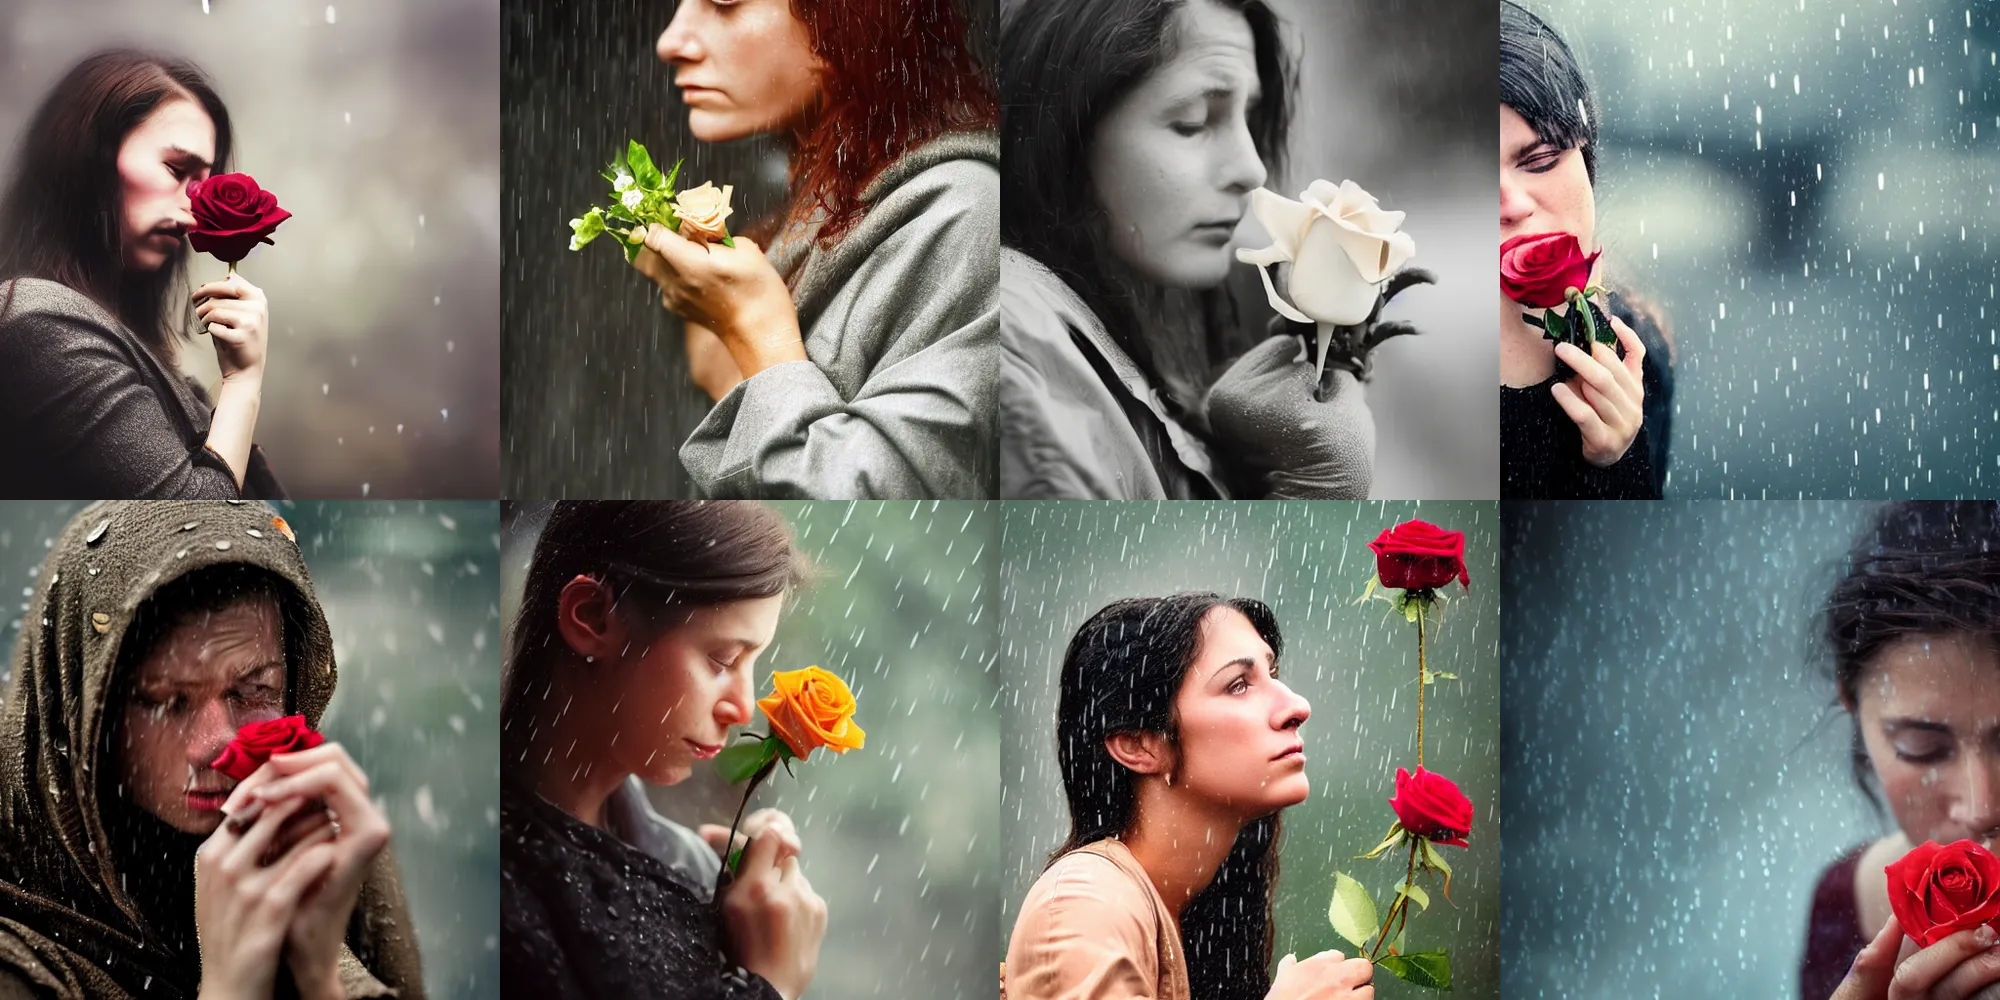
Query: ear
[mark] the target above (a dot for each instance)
(586, 619)
(1140, 753)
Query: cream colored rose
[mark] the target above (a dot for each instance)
(1341, 246)
(702, 212)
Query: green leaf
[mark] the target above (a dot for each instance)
(1397, 836)
(643, 170)
(1535, 321)
(735, 859)
(729, 241)
(1435, 858)
(1416, 894)
(1373, 582)
(1431, 969)
(671, 174)
(1433, 676)
(1352, 913)
(740, 762)
(1555, 327)
(585, 228)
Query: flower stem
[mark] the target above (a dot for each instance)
(1401, 906)
(729, 845)
(1421, 678)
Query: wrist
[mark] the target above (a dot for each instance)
(319, 984)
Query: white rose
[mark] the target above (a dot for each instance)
(1341, 246)
(631, 199)
(702, 212)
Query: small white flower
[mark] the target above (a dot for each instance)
(624, 181)
(575, 243)
(631, 199)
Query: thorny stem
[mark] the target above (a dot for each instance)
(729, 845)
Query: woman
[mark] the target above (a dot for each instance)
(163, 628)
(1179, 746)
(1912, 636)
(1136, 131)
(631, 660)
(1571, 426)
(855, 360)
(93, 237)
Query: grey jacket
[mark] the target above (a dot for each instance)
(900, 321)
(1078, 419)
(90, 412)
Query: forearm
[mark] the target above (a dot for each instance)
(234, 423)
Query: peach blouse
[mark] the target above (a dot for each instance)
(1094, 928)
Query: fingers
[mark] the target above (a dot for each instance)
(1868, 978)
(1976, 971)
(1924, 971)
(715, 834)
(761, 855)
(1589, 367)
(310, 819)
(1580, 411)
(249, 851)
(653, 266)
(231, 287)
(1635, 352)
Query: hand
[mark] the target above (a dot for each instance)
(243, 907)
(734, 292)
(762, 821)
(1263, 412)
(1964, 966)
(775, 921)
(709, 363)
(237, 318)
(325, 780)
(1328, 975)
(1607, 396)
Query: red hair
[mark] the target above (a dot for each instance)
(897, 74)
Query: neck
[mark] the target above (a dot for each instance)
(1180, 842)
(1526, 357)
(568, 759)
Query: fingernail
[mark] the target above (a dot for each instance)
(1985, 935)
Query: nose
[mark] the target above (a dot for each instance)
(1241, 169)
(678, 43)
(1516, 206)
(1293, 708)
(212, 729)
(1978, 807)
(734, 707)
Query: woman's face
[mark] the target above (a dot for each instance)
(171, 149)
(1929, 712)
(744, 66)
(1238, 724)
(1542, 189)
(209, 675)
(679, 696)
(1173, 163)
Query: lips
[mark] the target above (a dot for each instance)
(201, 801)
(704, 751)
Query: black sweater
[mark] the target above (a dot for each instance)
(1541, 450)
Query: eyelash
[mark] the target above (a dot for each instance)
(1933, 757)
(1547, 163)
(1189, 131)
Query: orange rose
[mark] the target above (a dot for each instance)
(810, 709)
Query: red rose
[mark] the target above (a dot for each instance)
(1418, 555)
(1431, 806)
(1938, 891)
(1539, 269)
(232, 215)
(255, 743)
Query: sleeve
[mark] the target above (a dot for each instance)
(78, 393)
(1082, 941)
(921, 424)
(532, 965)
(1037, 461)
(1629, 478)
(15, 985)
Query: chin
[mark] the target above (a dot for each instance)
(1195, 268)
(717, 126)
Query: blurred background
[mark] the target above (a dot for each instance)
(1357, 663)
(410, 592)
(1804, 189)
(900, 836)
(374, 121)
(1394, 97)
(1675, 763)
(598, 395)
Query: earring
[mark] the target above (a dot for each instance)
(1170, 779)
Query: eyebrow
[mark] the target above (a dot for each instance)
(1241, 661)
(183, 153)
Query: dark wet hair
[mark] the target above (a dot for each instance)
(1921, 568)
(1121, 674)
(61, 217)
(1541, 81)
(204, 591)
(658, 556)
(1063, 65)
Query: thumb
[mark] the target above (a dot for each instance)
(1285, 963)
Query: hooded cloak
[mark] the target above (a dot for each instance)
(96, 897)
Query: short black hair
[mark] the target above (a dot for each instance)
(1541, 80)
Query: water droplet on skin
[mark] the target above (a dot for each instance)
(222, 546)
(97, 533)
(253, 532)
(191, 525)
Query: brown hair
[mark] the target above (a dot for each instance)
(61, 217)
(898, 73)
(1920, 568)
(656, 555)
